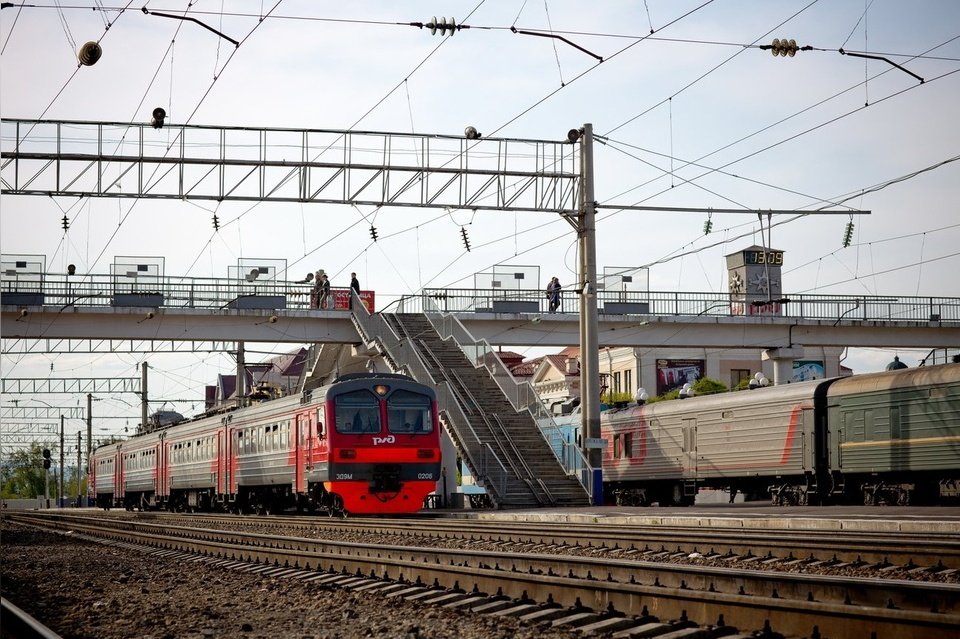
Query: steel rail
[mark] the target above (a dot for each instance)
(838, 606)
(911, 550)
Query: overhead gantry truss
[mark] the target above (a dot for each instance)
(42, 412)
(39, 385)
(191, 162)
(24, 346)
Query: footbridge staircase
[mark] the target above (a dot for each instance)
(499, 426)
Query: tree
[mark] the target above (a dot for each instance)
(23, 474)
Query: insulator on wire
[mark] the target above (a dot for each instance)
(848, 234)
(442, 26)
(89, 54)
(784, 47)
(466, 239)
(216, 222)
(65, 222)
(707, 226)
(373, 233)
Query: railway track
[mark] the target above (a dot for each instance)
(925, 555)
(597, 592)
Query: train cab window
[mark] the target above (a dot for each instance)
(357, 413)
(409, 413)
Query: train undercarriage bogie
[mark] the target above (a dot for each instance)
(141, 501)
(796, 491)
(890, 494)
(191, 500)
(789, 495)
(263, 500)
(647, 494)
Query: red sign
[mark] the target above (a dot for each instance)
(341, 299)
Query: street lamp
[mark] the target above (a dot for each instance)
(757, 381)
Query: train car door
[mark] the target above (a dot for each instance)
(689, 461)
(221, 455)
(159, 469)
(301, 442)
(119, 474)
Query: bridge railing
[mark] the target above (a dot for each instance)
(59, 289)
(886, 308)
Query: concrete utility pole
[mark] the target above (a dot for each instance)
(589, 349)
(89, 428)
(144, 409)
(62, 475)
(240, 386)
(79, 448)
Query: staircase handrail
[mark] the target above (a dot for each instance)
(448, 325)
(373, 328)
(527, 475)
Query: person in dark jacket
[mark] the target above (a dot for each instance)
(355, 288)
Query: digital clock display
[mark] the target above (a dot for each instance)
(774, 258)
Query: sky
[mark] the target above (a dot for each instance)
(688, 110)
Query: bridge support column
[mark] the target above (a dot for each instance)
(782, 358)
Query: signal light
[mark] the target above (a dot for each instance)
(848, 234)
(157, 120)
(373, 232)
(466, 240)
(216, 222)
(46, 458)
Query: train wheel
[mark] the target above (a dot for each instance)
(335, 509)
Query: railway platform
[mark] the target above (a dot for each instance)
(939, 520)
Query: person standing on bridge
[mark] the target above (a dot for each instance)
(324, 291)
(553, 294)
(354, 288)
(315, 291)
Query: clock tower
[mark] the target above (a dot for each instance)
(754, 281)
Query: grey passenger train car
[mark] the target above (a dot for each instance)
(891, 437)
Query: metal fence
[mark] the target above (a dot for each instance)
(222, 293)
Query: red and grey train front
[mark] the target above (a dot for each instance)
(383, 444)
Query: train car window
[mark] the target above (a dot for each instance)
(628, 445)
(409, 413)
(357, 412)
(616, 446)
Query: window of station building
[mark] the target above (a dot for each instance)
(628, 381)
(616, 382)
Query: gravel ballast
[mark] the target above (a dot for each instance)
(83, 590)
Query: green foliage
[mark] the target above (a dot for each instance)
(23, 474)
(612, 398)
(703, 386)
(708, 386)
